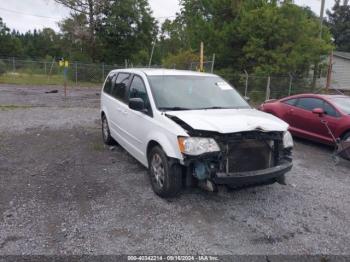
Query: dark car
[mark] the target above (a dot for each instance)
(304, 114)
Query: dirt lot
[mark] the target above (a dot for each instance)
(63, 192)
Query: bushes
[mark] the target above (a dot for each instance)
(2, 67)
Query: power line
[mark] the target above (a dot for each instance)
(21, 13)
(57, 18)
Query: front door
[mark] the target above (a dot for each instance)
(137, 123)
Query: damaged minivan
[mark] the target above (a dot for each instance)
(193, 129)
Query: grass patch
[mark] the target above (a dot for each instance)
(40, 80)
(13, 107)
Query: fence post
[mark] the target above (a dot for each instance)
(213, 64)
(76, 73)
(13, 65)
(45, 68)
(268, 90)
(103, 72)
(246, 83)
(290, 84)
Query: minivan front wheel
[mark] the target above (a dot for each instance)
(165, 176)
(106, 134)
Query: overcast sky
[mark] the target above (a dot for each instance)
(46, 13)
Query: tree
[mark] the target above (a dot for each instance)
(261, 36)
(92, 10)
(339, 23)
(181, 60)
(10, 45)
(76, 38)
(127, 27)
(281, 39)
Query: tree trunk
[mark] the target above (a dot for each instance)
(92, 28)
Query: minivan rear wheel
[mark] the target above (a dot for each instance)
(165, 175)
(106, 134)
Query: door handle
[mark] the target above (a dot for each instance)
(291, 111)
(125, 112)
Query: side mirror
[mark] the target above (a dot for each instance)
(318, 111)
(137, 104)
(246, 98)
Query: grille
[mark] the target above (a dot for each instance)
(249, 155)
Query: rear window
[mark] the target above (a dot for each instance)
(108, 85)
(290, 102)
(120, 85)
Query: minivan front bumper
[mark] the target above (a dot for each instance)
(252, 177)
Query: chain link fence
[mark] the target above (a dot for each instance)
(262, 88)
(257, 88)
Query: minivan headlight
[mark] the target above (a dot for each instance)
(195, 146)
(288, 140)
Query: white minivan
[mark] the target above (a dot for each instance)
(191, 128)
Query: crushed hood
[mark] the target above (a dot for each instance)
(230, 120)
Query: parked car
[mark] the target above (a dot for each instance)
(192, 128)
(304, 113)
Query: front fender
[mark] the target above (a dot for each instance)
(168, 143)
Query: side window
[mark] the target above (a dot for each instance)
(310, 103)
(290, 102)
(108, 85)
(119, 86)
(138, 90)
(329, 110)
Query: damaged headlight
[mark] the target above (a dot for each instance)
(195, 146)
(288, 140)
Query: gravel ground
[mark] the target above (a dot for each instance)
(63, 192)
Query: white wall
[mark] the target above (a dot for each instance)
(341, 73)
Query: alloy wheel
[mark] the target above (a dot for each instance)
(158, 171)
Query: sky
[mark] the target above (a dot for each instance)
(24, 15)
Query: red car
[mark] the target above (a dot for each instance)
(304, 114)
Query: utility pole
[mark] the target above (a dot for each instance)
(321, 17)
(150, 60)
(321, 33)
(329, 73)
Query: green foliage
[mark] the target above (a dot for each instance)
(181, 60)
(263, 37)
(2, 67)
(339, 23)
(127, 28)
(260, 36)
(281, 39)
(10, 45)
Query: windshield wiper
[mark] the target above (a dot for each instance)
(175, 108)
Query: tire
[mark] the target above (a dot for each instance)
(345, 155)
(106, 134)
(165, 176)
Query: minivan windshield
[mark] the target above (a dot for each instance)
(182, 92)
(343, 103)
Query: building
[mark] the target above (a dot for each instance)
(341, 71)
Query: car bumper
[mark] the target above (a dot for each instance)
(252, 177)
